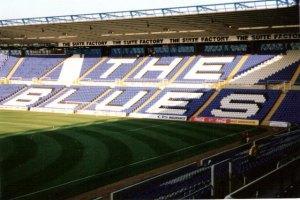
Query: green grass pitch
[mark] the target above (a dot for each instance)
(45, 153)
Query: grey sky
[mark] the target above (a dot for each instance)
(10, 9)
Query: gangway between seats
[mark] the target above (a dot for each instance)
(71, 70)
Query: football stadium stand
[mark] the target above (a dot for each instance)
(280, 183)
(229, 63)
(166, 87)
(35, 67)
(210, 180)
(7, 63)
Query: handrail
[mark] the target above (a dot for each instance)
(232, 195)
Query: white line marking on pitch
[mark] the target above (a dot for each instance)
(23, 124)
(156, 125)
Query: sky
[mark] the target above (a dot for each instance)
(13, 9)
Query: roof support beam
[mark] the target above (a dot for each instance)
(109, 16)
(241, 6)
(282, 3)
(140, 13)
(223, 7)
(205, 8)
(171, 11)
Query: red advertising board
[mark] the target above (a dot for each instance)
(225, 120)
(211, 120)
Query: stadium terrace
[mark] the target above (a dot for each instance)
(162, 87)
(196, 102)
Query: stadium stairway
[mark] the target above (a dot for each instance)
(219, 86)
(206, 104)
(285, 87)
(295, 76)
(67, 76)
(15, 67)
(266, 121)
(146, 102)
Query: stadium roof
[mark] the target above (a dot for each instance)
(254, 17)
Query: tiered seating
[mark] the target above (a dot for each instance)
(70, 99)
(283, 75)
(54, 90)
(54, 74)
(203, 193)
(157, 69)
(3, 58)
(240, 103)
(112, 69)
(289, 110)
(35, 67)
(208, 69)
(266, 143)
(31, 96)
(197, 181)
(167, 87)
(174, 101)
(225, 155)
(184, 185)
(144, 94)
(174, 185)
(88, 62)
(6, 65)
(268, 68)
(9, 90)
(84, 94)
(268, 155)
(122, 100)
(253, 61)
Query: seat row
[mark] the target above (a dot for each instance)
(255, 69)
(152, 102)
